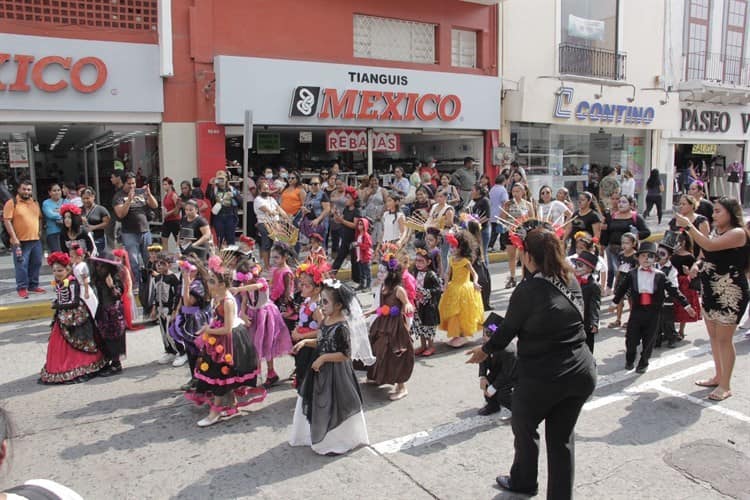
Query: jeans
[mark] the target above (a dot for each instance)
(497, 230)
(365, 274)
(336, 239)
(651, 200)
(101, 244)
(28, 265)
(612, 252)
(53, 242)
(225, 226)
(136, 244)
(486, 244)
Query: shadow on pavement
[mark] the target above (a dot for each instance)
(37, 332)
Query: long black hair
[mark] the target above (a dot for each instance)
(340, 293)
(653, 178)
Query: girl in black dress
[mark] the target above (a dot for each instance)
(110, 317)
(428, 294)
(479, 264)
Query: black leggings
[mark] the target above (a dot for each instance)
(651, 200)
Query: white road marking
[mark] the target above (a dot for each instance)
(708, 404)
(446, 430)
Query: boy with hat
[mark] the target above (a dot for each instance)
(497, 374)
(646, 287)
(667, 331)
(585, 264)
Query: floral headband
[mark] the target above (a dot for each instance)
(351, 192)
(58, 258)
(422, 251)
(185, 265)
(316, 272)
(390, 261)
(69, 207)
(75, 247)
(451, 239)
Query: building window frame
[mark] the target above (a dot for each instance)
(376, 37)
(693, 71)
(733, 63)
(464, 40)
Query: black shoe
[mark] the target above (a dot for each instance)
(641, 369)
(270, 382)
(504, 483)
(110, 370)
(672, 343)
(489, 409)
(629, 366)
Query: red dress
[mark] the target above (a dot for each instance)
(692, 296)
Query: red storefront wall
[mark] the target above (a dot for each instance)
(311, 30)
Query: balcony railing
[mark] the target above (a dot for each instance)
(717, 67)
(589, 61)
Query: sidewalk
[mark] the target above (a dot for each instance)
(37, 306)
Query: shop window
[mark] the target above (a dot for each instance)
(394, 39)
(140, 15)
(589, 39)
(696, 57)
(735, 68)
(464, 48)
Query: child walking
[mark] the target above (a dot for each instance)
(428, 296)
(227, 366)
(310, 280)
(363, 251)
(72, 352)
(433, 239)
(627, 261)
(461, 309)
(585, 265)
(329, 415)
(282, 282)
(166, 294)
(682, 260)
(666, 332)
(81, 272)
(389, 334)
(110, 317)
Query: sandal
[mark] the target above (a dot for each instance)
(719, 396)
(614, 324)
(420, 351)
(706, 383)
(510, 283)
(399, 395)
(428, 352)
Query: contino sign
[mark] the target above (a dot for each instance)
(53, 73)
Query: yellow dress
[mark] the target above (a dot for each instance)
(461, 309)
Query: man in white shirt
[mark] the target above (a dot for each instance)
(266, 210)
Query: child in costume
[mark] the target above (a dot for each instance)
(110, 317)
(479, 264)
(666, 332)
(227, 366)
(433, 239)
(389, 333)
(128, 299)
(166, 294)
(329, 415)
(461, 308)
(146, 291)
(317, 254)
(310, 280)
(585, 266)
(363, 251)
(429, 291)
(282, 282)
(627, 261)
(682, 260)
(81, 272)
(268, 330)
(72, 351)
(498, 373)
(193, 311)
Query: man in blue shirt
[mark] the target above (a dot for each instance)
(498, 197)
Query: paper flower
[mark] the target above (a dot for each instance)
(219, 348)
(451, 240)
(516, 241)
(204, 337)
(204, 367)
(384, 310)
(211, 340)
(395, 311)
(228, 358)
(225, 370)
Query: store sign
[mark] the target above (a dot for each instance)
(60, 74)
(305, 136)
(709, 121)
(18, 154)
(305, 93)
(600, 113)
(268, 143)
(356, 140)
(705, 149)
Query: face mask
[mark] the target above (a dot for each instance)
(284, 175)
(269, 176)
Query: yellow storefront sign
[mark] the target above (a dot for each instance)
(704, 149)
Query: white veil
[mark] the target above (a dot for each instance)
(359, 333)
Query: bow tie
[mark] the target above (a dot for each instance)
(582, 280)
(647, 270)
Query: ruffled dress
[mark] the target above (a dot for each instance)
(391, 343)
(329, 416)
(286, 307)
(226, 363)
(110, 319)
(72, 350)
(692, 296)
(267, 328)
(190, 319)
(461, 308)
(428, 296)
(305, 357)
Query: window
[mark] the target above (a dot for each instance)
(464, 48)
(734, 40)
(138, 15)
(589, 39)
(697, 38)
(394, 39)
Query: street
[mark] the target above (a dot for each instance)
(135, 436)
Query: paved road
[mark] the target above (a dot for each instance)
(134, 436)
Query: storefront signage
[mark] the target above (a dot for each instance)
(353, 104)
(356, 140)
(305, 136)
(268, 143)
(25, 64)
(600, 112)
(709, 121)
(60, 74)
(18, 154)
(306, 94)
(705, 149)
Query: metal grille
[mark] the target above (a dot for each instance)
(139, 15)
(394, 39)
(464, 48)
(588, 61)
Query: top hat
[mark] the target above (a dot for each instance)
(186, 233)
(588, 258)
(646, 247)
(670, 240)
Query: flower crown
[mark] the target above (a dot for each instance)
(390, 261)
(69, 207)
(75, 247)
(451, 239)
(422, 251)
(316, 272)
(58, 258)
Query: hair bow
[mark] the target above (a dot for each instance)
(186, 266)
(332, 283)
(58, 258)
(243, 277)
(451, 239)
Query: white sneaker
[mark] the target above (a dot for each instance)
(166, 359)
(180, 360)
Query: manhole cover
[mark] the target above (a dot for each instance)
(715, 463)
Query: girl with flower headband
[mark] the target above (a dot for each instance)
(266, 325)
(328, 416)
(110, 317)
(72, 352)
(389, 333)
(461, 310)
(310, 282)
(428, 295)
(317, 253)
(73, 230)
(227, 366)
(193, 311)
(433, 239)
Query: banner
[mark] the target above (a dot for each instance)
(588, 29)
(356, 140)
(18, 154)
(704, 149)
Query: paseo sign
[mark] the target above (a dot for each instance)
(29, 71)
(712, 121)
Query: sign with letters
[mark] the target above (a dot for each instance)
(600, 113)
(356, 140)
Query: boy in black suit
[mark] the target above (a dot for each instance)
(497, 373)
(646, 287)
(585, 264)
(667, 332)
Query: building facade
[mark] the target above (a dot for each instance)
(578, 87)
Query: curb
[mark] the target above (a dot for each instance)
(41, 310)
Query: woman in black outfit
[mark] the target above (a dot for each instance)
(654, 189)
(556, 373)
(620, 220)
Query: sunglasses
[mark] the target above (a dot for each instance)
(315, 183)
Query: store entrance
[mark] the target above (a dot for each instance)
(713, 165)
(84, 154)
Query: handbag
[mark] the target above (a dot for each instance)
(216, 208)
